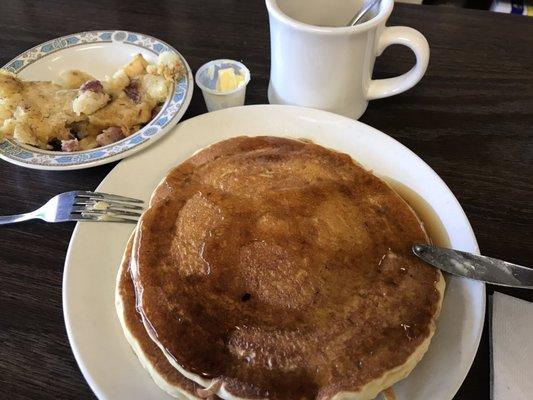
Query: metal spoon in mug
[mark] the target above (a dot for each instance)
(362, 12)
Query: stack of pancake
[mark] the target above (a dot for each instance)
(270, 268)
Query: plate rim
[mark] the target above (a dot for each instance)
(161, 123)
(453, 389)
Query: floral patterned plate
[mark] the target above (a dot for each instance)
(98, 53)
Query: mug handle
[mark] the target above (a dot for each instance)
(411, 38)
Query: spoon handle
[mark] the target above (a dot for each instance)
(366, 8)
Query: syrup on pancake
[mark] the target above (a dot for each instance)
(283, 270)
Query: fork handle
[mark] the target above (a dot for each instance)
(11, 219)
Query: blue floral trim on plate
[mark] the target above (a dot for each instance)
(28, 155)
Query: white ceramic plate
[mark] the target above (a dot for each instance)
(95, 250)
(99, 53)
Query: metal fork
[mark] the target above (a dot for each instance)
(83, 206)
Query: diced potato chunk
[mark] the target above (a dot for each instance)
(23, 134)
(9, 84)
(74, 79)
(88, 102)
(88, 142)
(136, 66)
(168, 65)
(156, 87)
(117, 82)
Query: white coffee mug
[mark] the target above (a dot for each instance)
(317, 61)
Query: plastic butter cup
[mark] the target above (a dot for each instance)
(207, 77)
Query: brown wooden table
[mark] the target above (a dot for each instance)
(470, 119)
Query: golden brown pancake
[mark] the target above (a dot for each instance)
(274, 268)
(150, 356)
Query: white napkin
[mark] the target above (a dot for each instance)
(512, 348)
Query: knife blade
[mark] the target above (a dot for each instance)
(481, 268)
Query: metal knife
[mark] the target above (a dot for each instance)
(481, 268)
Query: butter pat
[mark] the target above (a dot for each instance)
(223, 83)
(227, 80)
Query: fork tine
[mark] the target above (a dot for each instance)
(109, 211)
(100, 196)
(111, 204)
(93, 218)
